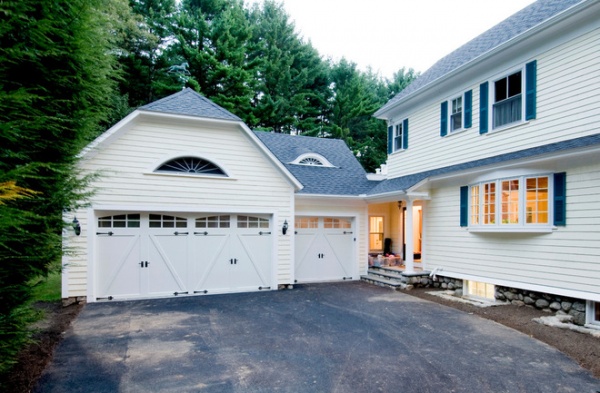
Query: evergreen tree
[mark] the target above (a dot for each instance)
(57, 78)
(292, 91)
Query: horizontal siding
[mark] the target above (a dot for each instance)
(568, 87)
(568, 258)
(125, 179)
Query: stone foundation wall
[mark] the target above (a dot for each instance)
(561, 305)
(544, 301)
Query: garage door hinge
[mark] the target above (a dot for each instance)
(347, 233)
(105, 233)
(346, 278)
(261, 288)
(205, 291)
(201, 233)
(264, 233)
(180, 233)
(180, 293)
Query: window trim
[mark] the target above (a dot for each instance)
(393, 137)
(153, 170)
(591, 319)
(451, 101)
(498, 226)
(382, 233)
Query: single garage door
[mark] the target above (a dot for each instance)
(324, 249)
(152, 255)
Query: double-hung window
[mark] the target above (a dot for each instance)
(456, 113)
(508, 99)
(398, 136)
(515, 203)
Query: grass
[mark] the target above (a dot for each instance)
(47, 289)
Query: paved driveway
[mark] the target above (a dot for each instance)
(350, 337)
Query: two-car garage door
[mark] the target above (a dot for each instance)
(148, 254)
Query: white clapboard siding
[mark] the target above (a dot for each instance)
(125, 179)
(566, 259)
(568, 86)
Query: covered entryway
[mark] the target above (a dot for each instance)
(324, 249)
(154, 255)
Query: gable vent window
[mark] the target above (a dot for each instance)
(311, 161)
(191, 165)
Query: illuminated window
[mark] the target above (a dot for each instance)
(306, 222)
(376, 233)
(334, 223)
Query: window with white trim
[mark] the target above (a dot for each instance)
(517, 201)
(398, 136)
(191, 165)
(456, 114)
(334, 223)
(376, 233)
(508, 99)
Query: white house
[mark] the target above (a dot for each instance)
(499, 143)
(492, 179)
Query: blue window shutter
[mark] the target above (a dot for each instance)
(560, 199)
(464, 206)
(405, 134)
(390, 139)
(483, 108)
(444, 119)
(530, 90)
(468, 109)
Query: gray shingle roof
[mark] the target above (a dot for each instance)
(405, 182)
(527, 18)
(188, 102)
(346, 178)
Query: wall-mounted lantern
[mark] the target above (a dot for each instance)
(284, 228)
(76, 226)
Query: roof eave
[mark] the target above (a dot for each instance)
(383, 112)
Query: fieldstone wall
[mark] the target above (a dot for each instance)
(549, 303)
(546, 302)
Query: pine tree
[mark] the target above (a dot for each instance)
(57, 78)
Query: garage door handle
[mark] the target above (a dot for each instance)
(105, 233)
(347, 233)
(264, 233)
(180, 233)
(201, 233)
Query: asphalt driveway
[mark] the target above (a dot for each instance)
(347, 337)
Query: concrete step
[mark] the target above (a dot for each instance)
(393, 275)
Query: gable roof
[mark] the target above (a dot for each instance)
(404, 183)
(188, 102)
(517, 24)
(345, 178)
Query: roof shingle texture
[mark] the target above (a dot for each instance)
(347, 178)
(517, 24)
(188, 102)
(405, 182)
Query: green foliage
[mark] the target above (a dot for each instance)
(57, 77)
(47, 289)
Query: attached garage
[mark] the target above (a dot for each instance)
(151, 254)
(324, 249)
(187, 200)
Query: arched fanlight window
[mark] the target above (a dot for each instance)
(312, 159)
(191, 165)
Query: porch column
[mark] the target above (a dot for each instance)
(409, 257)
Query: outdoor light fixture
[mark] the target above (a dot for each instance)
(76, 226)
(285, 227)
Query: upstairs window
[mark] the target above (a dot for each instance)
(456, 117)
(508, 102)
(191, 165)
(457, 113)
(398, 136)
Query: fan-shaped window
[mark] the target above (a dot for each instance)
(312, 159)
(191, 165)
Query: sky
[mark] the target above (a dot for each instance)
(390, 34)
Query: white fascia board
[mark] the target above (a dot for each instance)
(385, 114)
(392, 196)
(325, 196)
(107, 136)
(178, 209)
(556, 158)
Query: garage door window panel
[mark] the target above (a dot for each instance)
(336, 223)
(164, 221)
(252, 222)
(119, 221)
(306, 222)
(223, 221)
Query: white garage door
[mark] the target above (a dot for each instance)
(149, 255)
(324, 249)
